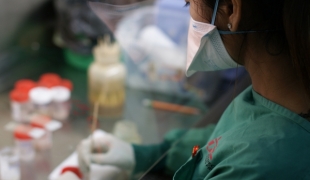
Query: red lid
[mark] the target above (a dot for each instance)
(50, 77)
(21, 133)
(19, 95)
(73, 169)
(67, 83)
(40, 121)
(26, 84)
(49, 83)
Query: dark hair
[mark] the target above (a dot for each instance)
(293, 18)
(297, 28)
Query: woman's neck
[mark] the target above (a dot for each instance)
(275, 78)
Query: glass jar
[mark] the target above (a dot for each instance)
(61, 105)
(9, 164)
(20, 105)
(24, 144)
(41, 98)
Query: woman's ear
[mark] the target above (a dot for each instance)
(235, 16)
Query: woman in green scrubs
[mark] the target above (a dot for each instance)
(265, 131)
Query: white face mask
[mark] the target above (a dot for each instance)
(206, 51)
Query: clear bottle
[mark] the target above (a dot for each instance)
(106, 79)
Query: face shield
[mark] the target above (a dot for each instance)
(153, 38)
(111, 12)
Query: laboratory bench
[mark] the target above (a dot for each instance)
(151, 124)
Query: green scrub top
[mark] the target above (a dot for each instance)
(254, 139)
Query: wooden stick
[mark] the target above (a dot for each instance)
(94, 122)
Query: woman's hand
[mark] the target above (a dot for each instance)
(107, 151)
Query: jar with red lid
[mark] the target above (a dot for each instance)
(20, 105)
(24, 143)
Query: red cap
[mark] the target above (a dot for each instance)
(67, 83)
(19, 95)
(50, 77)
(49, 83)
(21, 133)
(50, 80)
(73, 169)
(26, 84)
(40, 121)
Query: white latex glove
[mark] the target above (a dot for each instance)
(106, 150)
